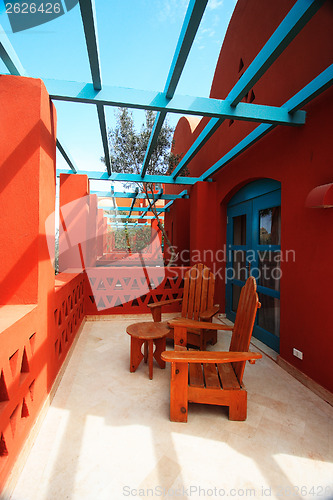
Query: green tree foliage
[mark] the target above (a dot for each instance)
(128, 146)
(127, 152)
(134, 240)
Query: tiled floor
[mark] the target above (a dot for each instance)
(107, 434)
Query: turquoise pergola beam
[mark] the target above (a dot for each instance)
(295, 20)
(136, 192)
(144, 216)
(193, 16)
(145, 210)
(9, 56)
(141, 196)
(168, 205)
(69, 160)
(104, 136)
(205, 135)
(118, 217)
(120, 177)
(134, 209)
(157, 197)
(189, 29)
(14, 66)
(158, 123)
(305, 95)
(291, 25)
(88, 14)
(118, 225)
(63, 90)
(158, 210)
(322, 82)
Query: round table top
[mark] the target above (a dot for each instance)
(148, 330)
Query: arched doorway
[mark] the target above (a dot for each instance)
(253, 244)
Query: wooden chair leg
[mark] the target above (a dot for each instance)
(157, 314)
(145, 351)
(179, 392)
(136, 354)
(203, 343)
(160, 347)
(150, 357)
(238, 406)
(213, 338)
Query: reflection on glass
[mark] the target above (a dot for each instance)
(269, 314)
(236, 290)
(239, 265)
(269, 269)
(270, 226)
(239, 230)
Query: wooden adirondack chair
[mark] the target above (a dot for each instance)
(213, 377)
(197, 304)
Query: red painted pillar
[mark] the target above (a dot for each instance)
(177, 226)
(156, 230)
(100, 232)
(156, 246)
(73, 219)
(91, 255)
(27, 130)
(27, 201)
(105, 235)
(203, 223)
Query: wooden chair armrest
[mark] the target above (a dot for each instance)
(209, 356)
(209, 313)
(163, 303)
(199, 325)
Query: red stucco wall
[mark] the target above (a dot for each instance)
(39, 317)
(300, 158)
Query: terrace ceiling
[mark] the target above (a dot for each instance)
(168, 101)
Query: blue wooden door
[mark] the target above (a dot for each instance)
(253, 244)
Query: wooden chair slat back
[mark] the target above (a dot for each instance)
(211, 290)
(185, 294)
(191, 294)
(198, 289)
(204, 289)
(198, 296)
(245, 317)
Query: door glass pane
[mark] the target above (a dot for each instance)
(270, 226)
(239, 230)
(236, 290)
(239, 265)
(269, 269)
(269, 314)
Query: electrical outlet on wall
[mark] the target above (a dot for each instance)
(297, 353)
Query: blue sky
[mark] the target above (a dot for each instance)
(137, 40)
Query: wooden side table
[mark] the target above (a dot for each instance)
(147, 333)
